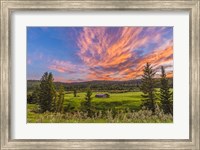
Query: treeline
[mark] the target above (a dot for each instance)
(107, 86)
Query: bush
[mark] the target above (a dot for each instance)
(109, 116)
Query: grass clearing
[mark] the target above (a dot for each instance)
(131, 100)
(116, 101)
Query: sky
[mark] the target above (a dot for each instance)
(78, 54)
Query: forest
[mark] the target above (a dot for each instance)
(145, 100)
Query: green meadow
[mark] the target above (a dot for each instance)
(123, 104)
(131, 100)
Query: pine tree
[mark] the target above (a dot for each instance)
(87, 104)
(54, 103)
(60, 99)
(75, 92)
(35, 94)
(47, 92)
(165, 94)
(34, 97)
(29, 99)
(147, 87)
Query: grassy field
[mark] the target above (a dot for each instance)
(128, 102)
(131, 100)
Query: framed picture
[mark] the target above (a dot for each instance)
(100, 75)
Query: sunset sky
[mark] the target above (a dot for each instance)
(76, 54)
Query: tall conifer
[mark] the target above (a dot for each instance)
(47, 92)
(147, 87)
(88, 98)
(60, 99)
(165, 94)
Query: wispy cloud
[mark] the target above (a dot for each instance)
(62, 66)
(158, 58)
(66, 67)
(114, 55)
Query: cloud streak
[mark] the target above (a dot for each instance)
(62, 66)
(121, 53)
(66, 67)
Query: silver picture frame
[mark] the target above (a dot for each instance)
(10, 6)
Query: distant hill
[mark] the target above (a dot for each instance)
(130, 85)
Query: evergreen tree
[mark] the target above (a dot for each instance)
(47, 92)
(34, 97)
(165, 94)
(60, 99)
(147, 87)
(29, 99)
(75, 92)
(87, 103)
(54, 106)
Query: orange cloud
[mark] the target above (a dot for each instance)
(104, 52)
(156, 59)
(111, 58)
(169, 74)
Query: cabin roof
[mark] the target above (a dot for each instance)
(101, 94)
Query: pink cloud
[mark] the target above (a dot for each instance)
(66, 67)
(118, 60)
(62, 66)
